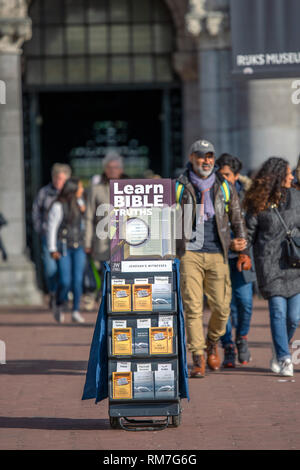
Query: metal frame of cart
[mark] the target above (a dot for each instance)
(134, 414)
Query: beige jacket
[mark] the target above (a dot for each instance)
(99, 194)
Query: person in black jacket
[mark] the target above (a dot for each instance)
(277, 282)
(241, 281)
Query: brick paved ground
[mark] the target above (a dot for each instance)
(42, 382)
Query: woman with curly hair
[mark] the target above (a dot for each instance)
(270, 192)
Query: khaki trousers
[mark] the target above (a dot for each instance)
(204, 273)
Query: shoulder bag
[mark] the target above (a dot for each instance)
(291, 245)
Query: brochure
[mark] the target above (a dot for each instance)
(143, 385)
(164, 384)
(141, 341)
(121, 298)
(160, 340)
(142, 297)
(121, 341)
(122, 385)
(161, 297)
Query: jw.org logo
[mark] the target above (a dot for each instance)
(2, 92)
(2, 352)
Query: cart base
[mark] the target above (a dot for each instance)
(145, 425)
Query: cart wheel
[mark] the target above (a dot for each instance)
(176, 420)
(114, 422)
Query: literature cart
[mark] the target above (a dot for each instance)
(142, 342)
(138, 356)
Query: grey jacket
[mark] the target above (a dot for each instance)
(41, 206)
(266, 234)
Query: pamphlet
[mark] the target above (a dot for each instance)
(121, 341)
(141, 341)
(121, 298)
(122, 385)
(161, 297)
(142, 297)
(159, 340)
(143, 385)
(164, 384)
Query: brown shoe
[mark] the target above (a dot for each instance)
(213, 358)
(198, 370)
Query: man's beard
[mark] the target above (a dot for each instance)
(205, 173)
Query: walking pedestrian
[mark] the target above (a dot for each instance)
(204, 267)
(241, 281)
(273, 209)
(296, 183)
(98, 195)
(42, 203)
(66, 245)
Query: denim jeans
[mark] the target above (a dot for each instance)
(284, 319)
(240, 306)
(50, 267)
(70, 275)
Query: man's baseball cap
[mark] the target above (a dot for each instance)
(202, 147)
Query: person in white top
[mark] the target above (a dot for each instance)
(65, 239)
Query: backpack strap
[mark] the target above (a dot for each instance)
(226, 194)
(179, 188)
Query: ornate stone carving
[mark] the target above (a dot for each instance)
(15, 25)
(195, 16)
(207, 16)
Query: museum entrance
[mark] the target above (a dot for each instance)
(99, 76)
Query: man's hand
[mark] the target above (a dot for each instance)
(88, 251)
(55, 255)
(238, 244)
(244, 263)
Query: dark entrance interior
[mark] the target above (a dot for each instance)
(68, 121)
(55, 122)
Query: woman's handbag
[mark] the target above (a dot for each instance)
(291, 245)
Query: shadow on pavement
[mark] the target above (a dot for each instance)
(61, 325)
(241, 370)
(66, 344)
(57, 424)
(44, 367)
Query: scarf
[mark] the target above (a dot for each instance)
(204, 186)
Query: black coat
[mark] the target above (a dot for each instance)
(266, 233)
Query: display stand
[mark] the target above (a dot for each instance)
(138, 355)
(143, 369)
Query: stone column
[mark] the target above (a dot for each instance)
(17, 275)
(208, 22)
(253, 119)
